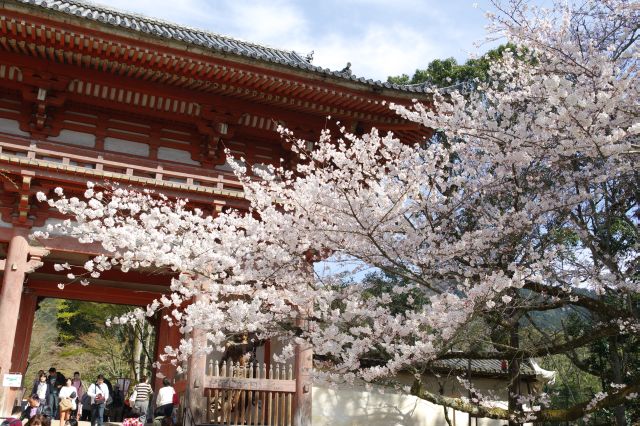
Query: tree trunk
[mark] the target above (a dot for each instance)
(617, 375)
(142, 358)
(514, 376)
(137, 351)
(148, 345)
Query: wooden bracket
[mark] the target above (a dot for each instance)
(36, 254)
(25, 194)
(41, 94)
(214, 132)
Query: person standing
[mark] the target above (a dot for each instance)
(67, 397)
(77, 383)
(117, 406)
(164, 403)
(42, 388)
(37, 379)
(56, 381)
(143, 393)
(99, 394)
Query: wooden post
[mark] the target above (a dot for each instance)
(15, 268)
(196, 374)
(165, 336)
(22, 342)
(303, 367)
(303, 364)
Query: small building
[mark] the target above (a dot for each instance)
(384, 406)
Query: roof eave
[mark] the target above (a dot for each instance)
(210, 53)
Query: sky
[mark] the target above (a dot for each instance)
(379, 37)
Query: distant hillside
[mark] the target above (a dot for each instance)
(72, 336)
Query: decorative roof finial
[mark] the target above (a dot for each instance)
(346, 70)
(309, 57)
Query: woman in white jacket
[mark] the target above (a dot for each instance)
(68, 397)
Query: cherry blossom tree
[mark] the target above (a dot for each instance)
(524, 201)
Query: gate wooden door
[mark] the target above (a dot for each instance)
(250, 394)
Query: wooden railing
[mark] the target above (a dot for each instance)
(250, 394)
(27, 153)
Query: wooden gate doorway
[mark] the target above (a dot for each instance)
(250, 394)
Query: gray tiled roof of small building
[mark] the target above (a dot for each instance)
(205, 39)
(480, 365)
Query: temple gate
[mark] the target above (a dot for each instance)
(89, 93)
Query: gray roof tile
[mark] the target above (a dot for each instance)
(211, 40)
(491, 366)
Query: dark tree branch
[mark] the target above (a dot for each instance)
(539, 350)
(547, 415)
(603, 309)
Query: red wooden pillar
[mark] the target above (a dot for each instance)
(165, 336)
(15, 268)
(22, 342)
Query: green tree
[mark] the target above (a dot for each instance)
(72, 336)
(128, 348)
(447, 72)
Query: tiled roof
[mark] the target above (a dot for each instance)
(487, 366)
(204, 39)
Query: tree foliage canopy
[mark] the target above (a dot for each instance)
(447, 72)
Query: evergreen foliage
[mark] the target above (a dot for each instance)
(448, 72)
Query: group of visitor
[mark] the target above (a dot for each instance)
(53, 396)
(140, 401)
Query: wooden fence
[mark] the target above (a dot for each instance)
(250, 394)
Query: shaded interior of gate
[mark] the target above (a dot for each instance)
(113, 287)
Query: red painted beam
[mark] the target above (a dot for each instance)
(92, 293)
(160, 279)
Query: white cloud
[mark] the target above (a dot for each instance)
(379, 37)
(267, 21)
(185, 12)
(379, 52)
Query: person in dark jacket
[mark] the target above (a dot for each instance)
(42, 388)
(35, 407)
(56, 382)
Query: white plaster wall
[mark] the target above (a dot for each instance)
(354, 407)
(127, 147)
(75, 138)
(177, 155)
(12, 127)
